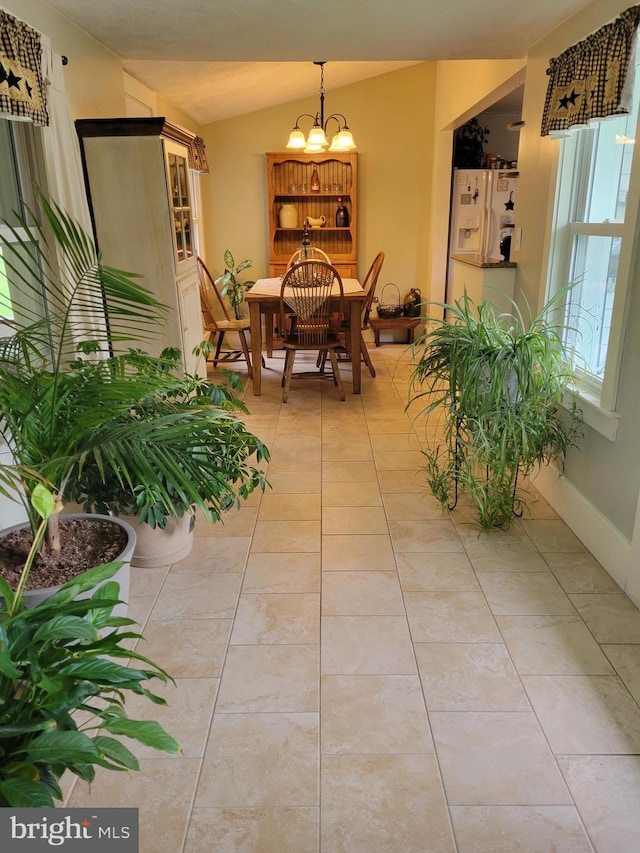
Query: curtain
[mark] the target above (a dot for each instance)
(22, 94)
(61, 147)
(593, 79)
(63, 166)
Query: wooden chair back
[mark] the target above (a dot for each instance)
(369, 285)
(308, 292)
(209, 298)
(308, 253)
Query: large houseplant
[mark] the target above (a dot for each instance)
(494, 383)
(212, 444)
(64, 676)
(70, 402)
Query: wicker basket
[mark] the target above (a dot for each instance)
(388, 310)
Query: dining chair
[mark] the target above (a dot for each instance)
(308, 253)
(369, 286)
(210, 300)
(308, 295)
(304, 253)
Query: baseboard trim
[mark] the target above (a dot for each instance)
(610, 548)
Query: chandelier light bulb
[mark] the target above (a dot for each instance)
(296, 140)
(317, 136)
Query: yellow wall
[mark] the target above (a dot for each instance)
(394, 177)
(93, 76)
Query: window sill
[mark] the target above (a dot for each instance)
(599, 419)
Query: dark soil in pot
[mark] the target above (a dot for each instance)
(85, 543)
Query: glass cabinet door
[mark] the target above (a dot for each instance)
(178, 176)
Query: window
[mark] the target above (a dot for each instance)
(21, 170)
(593, 248)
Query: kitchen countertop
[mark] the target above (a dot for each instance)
(476, 260)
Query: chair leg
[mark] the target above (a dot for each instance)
(289, 359)
(367, 358)
(336, 373)
(321, 360)
(245, 350)
(216, 357)
(211, 339)
(284, 369)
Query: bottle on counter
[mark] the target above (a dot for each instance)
(342, 214)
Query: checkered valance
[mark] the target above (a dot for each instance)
(197, 155)
(21, 90)
(593, 79)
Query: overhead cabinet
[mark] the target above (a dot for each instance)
(137, 175)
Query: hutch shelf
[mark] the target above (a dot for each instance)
(289, 177)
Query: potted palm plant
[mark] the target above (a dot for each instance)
(70, 403)
(64, 675)
(212, 445)
(495, 384)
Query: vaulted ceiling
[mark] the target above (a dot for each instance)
(219, 58)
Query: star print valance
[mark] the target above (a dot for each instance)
(21, 89)
(593, 79)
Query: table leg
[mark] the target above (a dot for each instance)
(268, 333)
(256, 347)
(356, 344)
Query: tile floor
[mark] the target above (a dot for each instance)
(357, 672)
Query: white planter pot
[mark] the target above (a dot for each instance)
(35, 596)
(156, 547)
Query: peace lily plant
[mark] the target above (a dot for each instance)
(64, 676)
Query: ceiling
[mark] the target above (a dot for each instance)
(219, 58)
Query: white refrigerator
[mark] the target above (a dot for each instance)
(482, 211)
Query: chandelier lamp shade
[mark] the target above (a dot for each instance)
(317, 142)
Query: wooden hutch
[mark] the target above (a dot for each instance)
(289, 177)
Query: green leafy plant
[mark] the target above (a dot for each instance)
(469, 145)
(75, 409)
(495, 383)
(209, 445)
(230, 285)
(64, 680)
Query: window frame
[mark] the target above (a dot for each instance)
(27, 148)
(598, 399)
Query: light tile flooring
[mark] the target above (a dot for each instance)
(357, 672)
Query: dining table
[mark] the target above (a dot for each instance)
(264, 301)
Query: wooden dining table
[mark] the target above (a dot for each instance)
(264, 301)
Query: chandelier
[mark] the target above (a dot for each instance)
(316, 141)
